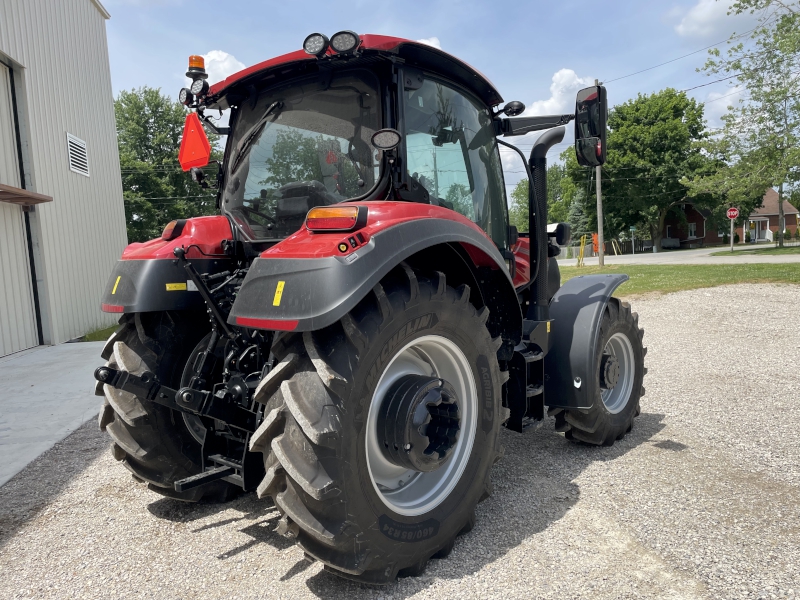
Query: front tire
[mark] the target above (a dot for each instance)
(614, 410)
(324, 469)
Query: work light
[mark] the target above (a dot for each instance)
(185, 97)
(316, 44)
(345, 41)
(199, 87)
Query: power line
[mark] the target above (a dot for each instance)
(684, 56)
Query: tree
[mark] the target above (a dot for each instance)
(653, 144)
(155, 189)
(557, 200)
(760, 142)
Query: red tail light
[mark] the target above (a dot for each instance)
(173, 229)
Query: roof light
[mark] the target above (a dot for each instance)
(345, 41)
(332, 218)
(316, 44)
(185, 97)
(199, 87)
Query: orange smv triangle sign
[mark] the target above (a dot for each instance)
(195, 148)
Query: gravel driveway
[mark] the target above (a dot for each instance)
(700, 501)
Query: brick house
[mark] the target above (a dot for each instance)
(690, 234)
(763, 221)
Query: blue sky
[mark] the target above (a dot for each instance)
(540, 53)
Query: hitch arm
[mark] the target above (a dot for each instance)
(180, 254)
(220, 405)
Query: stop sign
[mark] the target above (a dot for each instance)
(733, 213)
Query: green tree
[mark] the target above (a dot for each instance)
(654, 143)
(557, 200)
(760, 142)
(155, 189)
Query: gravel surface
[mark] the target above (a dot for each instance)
(701, 500)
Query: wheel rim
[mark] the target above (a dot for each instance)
(621, 348)
(405, 491)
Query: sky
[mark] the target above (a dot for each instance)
(540, 53)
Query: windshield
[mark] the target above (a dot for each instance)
(300, 146)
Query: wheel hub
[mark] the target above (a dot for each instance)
(609, 371)
(419, 422)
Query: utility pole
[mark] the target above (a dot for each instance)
(600, 253)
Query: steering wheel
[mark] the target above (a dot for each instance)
(253, 211)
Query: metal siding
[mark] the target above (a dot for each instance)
(17, 322)
(62, 46)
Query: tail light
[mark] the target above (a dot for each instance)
(173, 229)
(336, 218)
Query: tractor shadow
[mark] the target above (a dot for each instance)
(534, 487)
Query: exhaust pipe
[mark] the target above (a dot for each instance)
(538, 309)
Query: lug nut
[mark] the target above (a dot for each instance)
(186, 397)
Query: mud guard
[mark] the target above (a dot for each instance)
(571, 364)
(306, 294)
(155, 285)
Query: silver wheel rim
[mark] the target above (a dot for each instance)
(405, 491)
(617, 398)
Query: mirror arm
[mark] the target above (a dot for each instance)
(522, 125)
(206, 121)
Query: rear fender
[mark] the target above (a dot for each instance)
(306, 292)
(570, 366)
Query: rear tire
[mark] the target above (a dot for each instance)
(154, 442)
(315, 433)
(612, 414)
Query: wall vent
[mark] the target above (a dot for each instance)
(78, 159)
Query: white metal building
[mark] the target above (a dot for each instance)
(62, 219)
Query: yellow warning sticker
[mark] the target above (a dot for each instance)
(548, 327)
(276, 301)
(116, 283)
(176, 287)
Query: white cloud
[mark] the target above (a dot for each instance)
(709, 18)
(563, 88)
(431, 41)
(220, 65)
(717, 104)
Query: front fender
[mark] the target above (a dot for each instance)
(570, 366)
(305, 294)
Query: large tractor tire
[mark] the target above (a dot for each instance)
(156, 444)
(414, 358)
(620, 372)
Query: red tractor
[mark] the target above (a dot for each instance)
(348, 336)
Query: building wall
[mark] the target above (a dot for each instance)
(679, 230)
(63, 83)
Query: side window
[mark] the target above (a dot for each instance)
(452, 153)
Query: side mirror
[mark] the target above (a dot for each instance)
(591, 110)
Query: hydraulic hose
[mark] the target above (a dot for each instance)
(539, 309)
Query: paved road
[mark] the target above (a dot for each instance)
(701, 500)
(699, 256)
(45, 394)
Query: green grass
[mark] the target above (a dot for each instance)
(99, 335)
(646, 279)
(770, 250)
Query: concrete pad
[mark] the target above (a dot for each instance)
(45, 394)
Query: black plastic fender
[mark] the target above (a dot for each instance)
(157, 284)
(317, 292)
(570, 367)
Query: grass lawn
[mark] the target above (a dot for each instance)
(769, 250)
(645, 279)
(99, 335)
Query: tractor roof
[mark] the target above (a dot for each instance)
(414, 53)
